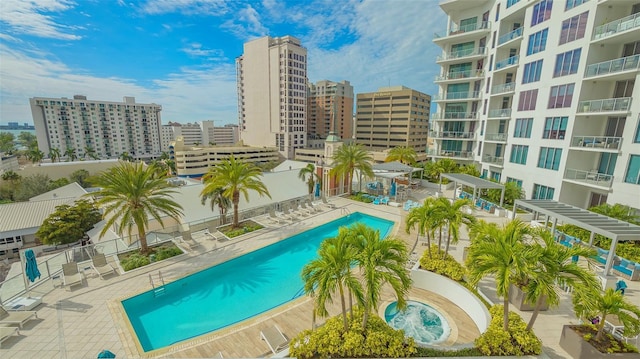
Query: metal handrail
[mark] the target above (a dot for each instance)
(513, 60)
(507, 87)
(461, 53)
(592, 176)
(500, 112)
(455, 30)
(605, 105)
(495, 137)
(616, 26)
(596, 141)
(456, 95)
(613, 66)
(510, 36)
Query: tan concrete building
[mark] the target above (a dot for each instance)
(227, 135)
(330, 109)
(272, 93)
(392, 117)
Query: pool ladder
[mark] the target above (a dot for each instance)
(159, 281)
(346, 211)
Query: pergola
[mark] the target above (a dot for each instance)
(471, 181)
(595, 223)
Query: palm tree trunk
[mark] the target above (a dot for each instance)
(505, 315)
(440, 239)
(344, 309)
(365, 316)
(601, 328)
(142, 237)
(236, 202)
(534, 315)
(429, 244)
(446, 250)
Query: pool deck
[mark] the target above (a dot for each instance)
(81, 322)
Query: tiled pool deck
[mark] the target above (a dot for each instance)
(79, 323)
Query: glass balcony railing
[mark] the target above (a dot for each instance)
(500, 112)
(605, 105)
(513, 60)
(614, 66)
(454, 116)
(456, 30)
(590, 177)
(617, 26)
(448, 153)
(460, 75)
(452, 134)
(596, 142)
(493, 159)
(508, 87)
(495, 136)
(462, 53)
(457, 95)
(510, 36)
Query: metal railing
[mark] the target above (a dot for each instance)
(592, 177)
(614, 66)
(495, 136)
(605, 105)
(457, 95)
(513, 60)
(447, 153)
(508, 87)
(461, 54)
(454, 116)
(500, 112)
(452, 134)
(459, 75)
(616, 26)
(510, 36)
(455, 30)
(493, 159)
(596, 141)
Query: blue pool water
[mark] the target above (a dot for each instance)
(419, 321)
(234, 290)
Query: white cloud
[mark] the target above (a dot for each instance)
(187, 7)
(33, 18)
(196, 50)
(246, 25)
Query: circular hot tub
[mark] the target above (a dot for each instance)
(420, 321)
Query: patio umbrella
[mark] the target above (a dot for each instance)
(317, 194)
(106, 354)
(31, 267)
(392, 191)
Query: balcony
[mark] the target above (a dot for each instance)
(455, 116)
(515, 34)
(462, 55)
(450, 154)
(506, 63)
(452, 135)
(457, 96)
(493, 160)
(605, 106)
(460, 76)
(499, 113)
(612, 67)
(495, 137)
(591, 177)
(463, 32)
(509, 87)
(616, 27)
(596, 142)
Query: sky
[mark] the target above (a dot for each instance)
(181, 53)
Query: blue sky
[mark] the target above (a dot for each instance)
(181, 53)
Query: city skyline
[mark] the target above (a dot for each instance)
(181, 54)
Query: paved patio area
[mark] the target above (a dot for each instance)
(82, 322)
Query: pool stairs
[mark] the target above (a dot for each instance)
(157, 282)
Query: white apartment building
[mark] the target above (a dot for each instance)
(104, 127)
(272, 93)
(542, 93)
(200, 133)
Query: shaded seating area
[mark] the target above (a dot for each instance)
(16, 318)
(274, 339)
(627, 269)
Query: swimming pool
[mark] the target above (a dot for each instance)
(420, 321)
(232, 291)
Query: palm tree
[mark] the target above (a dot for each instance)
(500, 252)
(216, 197)
(35, 155)
(309, 170)
(71, 154)
(235, 177)
(331, 272)
(423, 217)
(89, 151)
(130, 194)
(381, 261)
(555, 265)
(125, 156)
(404, 154)
(454, 216)
(347, 159)
(591, 302)
(54, 154)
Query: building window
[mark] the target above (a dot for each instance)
(527, 100)
(541, 12)
(555, 128)
(561, 96)
(637, 138)
(550, 158)
(542, 192)
(574, 28)
(523, 128)
(533, 70)
(515, 180)
(573, 3)
(510, 3)
(537, 42)
(519, 154)
(633, 170)
(567, 63)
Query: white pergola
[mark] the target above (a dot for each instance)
(596, 223)
(474, 182)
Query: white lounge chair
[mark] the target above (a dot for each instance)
(327, 203)
(316, 206)
(70, 274)
(274, 338)
(19, 317)
(275, 218)
(302, 210)
(7, 332)
(101, 266)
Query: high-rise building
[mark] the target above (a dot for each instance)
(226, 135)
(272, 93)
(393, 117)
(200, 133)
(330, 109)
(542, 93)
(99, 129)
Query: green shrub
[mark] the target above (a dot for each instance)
(168, 252)
(447, 267)
(245, 227)
(431, 352)
(378, 340)
(517, 341)
(360, 197)
(133, 261)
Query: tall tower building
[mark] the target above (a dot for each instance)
(272, 93)
(542, 93)
(101, 129)
(393, 117)
(330, 109)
